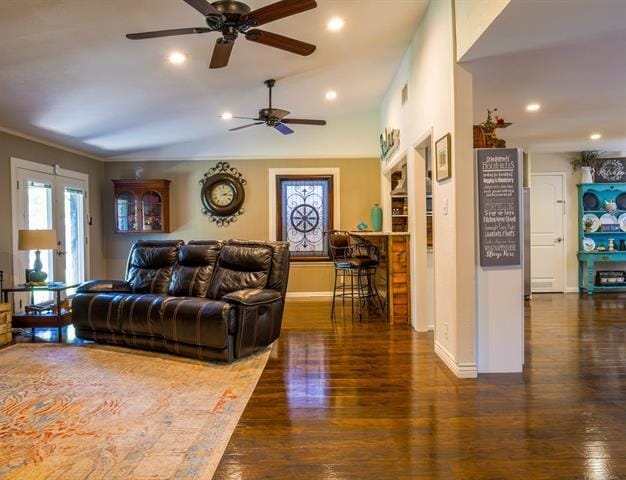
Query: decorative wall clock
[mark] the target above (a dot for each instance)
(223, 194)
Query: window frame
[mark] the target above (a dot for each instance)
(278, 179)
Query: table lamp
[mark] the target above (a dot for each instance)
(37, 240)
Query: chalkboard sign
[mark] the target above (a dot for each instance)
(499, 206)
(610, 170)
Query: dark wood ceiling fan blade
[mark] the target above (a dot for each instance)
(167, 33)
(302, 121)
(278, 10)
(204, 7)
(284, 129)
(279, 41)
(245, 126)
(221, 53)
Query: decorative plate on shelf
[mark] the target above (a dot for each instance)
(608, 219)
(591, 223)
(622, 222)
(621, 201)
(588, 244)
(591, 201)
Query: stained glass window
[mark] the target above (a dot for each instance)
(305, 212)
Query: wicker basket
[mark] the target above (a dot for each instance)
(6, 336)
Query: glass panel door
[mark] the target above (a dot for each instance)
(71, 258)
(74, 238)
(35, 212)
(47, 201)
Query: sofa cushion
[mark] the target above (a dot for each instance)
(197, 321)
(140, 314)
(279, 271)
(192, 275)
(150, 268)
(240, 267)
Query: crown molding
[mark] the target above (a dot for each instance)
(49, 144)
(231, 158)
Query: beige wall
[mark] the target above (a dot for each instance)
(13, 146)
(440, 102)
(359, 190)
(472, 18)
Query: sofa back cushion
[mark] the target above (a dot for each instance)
(239, 267)
(279, 270)
(192, 275)
(150, 266)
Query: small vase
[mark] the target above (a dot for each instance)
(586, 175)
(377, 218)
(362, 225)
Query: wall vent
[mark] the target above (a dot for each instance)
(405, 93)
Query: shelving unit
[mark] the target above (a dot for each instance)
(588, 260)
(142, 206)
(399, 205)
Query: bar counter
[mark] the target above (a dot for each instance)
(392, 276)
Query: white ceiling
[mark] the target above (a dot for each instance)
(69, 76)
(566, 55)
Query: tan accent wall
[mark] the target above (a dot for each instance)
(359, 190)
(13, 146)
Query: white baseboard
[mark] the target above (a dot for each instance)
(571, 290)
(309, 294)
(462, 370)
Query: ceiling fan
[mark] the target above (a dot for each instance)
(275, 117)
(230, 18)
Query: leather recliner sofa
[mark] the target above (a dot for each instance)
(208, 299)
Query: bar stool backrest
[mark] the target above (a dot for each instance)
(340, 244)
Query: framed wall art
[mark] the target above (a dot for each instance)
(443, 157)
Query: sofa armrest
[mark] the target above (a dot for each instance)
(105, 286)
(252, 296)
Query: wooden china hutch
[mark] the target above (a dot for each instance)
(142, 206)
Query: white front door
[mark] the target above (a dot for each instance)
(547, 241)
(48, 198)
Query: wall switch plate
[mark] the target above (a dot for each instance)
(444, 206)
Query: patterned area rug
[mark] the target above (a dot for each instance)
(73, 412)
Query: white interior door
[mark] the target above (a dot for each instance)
(547, 241)
(45, 197)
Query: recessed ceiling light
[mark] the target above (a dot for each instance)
(595, 136)
(533, 107)
(226, 115)
(335, 24)
(177, 58)
(331, 95)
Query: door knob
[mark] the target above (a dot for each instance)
(558, 240)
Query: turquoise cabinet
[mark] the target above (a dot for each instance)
(592, 200)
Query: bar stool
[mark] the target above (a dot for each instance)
(355, 263)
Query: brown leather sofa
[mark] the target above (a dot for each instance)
(208, 299)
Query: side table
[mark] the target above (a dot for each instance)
(58, 318)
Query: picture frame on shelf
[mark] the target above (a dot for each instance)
(443, 157)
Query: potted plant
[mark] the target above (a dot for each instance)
(586, 162)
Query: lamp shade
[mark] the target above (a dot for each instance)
(37, 239)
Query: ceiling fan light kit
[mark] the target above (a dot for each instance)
(276, 117)
(231, 17)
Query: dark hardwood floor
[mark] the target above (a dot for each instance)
(369, 401)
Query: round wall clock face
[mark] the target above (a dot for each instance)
(223, 194)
